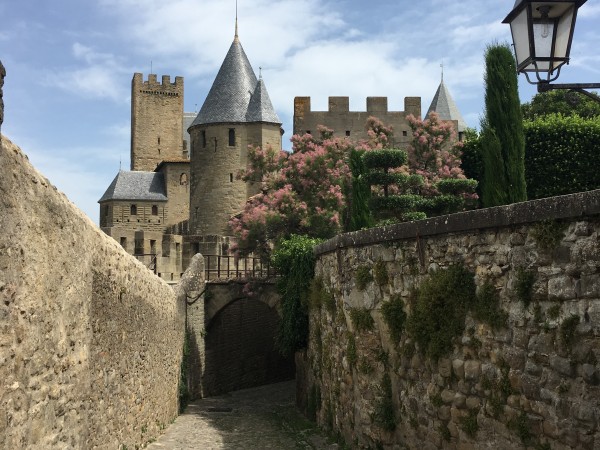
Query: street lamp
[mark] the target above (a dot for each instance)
(542, 33)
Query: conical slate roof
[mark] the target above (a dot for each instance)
(236, 95)
(260, 108)
(136, 185)
(443, 104)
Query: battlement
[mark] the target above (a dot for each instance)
(152, 86)
(412, 105)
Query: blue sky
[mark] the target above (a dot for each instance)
(70, 64)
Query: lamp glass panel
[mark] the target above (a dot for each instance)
(520, 35)
(563, 35)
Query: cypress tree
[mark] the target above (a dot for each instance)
(503, 116)
(493, 192)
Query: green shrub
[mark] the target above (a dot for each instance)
(567, 331)
(383, 159)
(380, 273)
(319, 295)
(524, 285)
(440, 309)
(387, 179)
(561, 155)
(553, 312)
(469, 423)
(384, 414)
(363, 277)
(456, 185)
(394, 316)
(294, 259)
(362, 319)
(394, 202)
(548, 234)
(487, 308)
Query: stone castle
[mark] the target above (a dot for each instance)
(182, 188)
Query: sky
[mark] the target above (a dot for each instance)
(70, 63)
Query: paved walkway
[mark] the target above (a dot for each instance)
(258, 418)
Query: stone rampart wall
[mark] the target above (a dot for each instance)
(534, 383)
(90, 339)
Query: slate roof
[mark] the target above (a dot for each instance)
(236, 96)
(444, 105)
(136, 185)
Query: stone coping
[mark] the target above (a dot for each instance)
(560, 207)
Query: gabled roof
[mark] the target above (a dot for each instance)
(136, 185)
(443, 104)
(260, 108)
(232, 92)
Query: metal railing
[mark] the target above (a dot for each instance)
(227, 267)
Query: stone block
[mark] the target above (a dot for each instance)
(472, 370)
(458, 366)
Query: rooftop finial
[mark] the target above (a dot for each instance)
(442, 66)
(236, 25)
(260, 72)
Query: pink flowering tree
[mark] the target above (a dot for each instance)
(303, 192)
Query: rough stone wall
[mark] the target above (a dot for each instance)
(2, 75)
(215, 192)
(521, 384)
(90, 340)
(156, 121)
(352, 123)
(177, 181)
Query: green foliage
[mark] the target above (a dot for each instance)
(365, 366)
(436, 400)
(395, 202)
(503, 116)
(384, 414)
(562, 155)
(548, 234)
(386, 178)
(363, 277)
(360, 214)
(561, 102)
(471, 158)
(294, 259)
(394, 316)
(319, 295)
(384, 158)
(383, 357)
(380, 273)
(521, 426)
(362, 319)
(445, 432)
(567, 331)
(469, 423)
(553, 312)
(487, 307)
(314, 402)
(524, 285)
(456, 185)
(351, 350)
(441, 204)
(184, 393)
(494, 179)
(440, 309)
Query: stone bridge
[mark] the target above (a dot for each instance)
(232, 326)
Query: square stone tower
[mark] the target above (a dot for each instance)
(156, 121)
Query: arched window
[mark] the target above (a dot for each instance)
(154, 210)
(133, 210)
(183, 179)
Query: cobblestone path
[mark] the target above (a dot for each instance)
(258, 418)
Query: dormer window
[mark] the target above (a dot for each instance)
(133, 210)
(154, 210)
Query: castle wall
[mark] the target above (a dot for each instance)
(156, 121)
(215, 192)
(534, 383)
(90, 340)
(116, 213)
(346, 123)
(177, 181)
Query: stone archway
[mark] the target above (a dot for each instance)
(240, 350)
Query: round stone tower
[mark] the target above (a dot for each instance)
(237, 113)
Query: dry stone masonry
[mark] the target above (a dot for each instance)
(533, 383)
(90, 339)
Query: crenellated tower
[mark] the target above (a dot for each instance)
(237, 113)
(156, 121)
